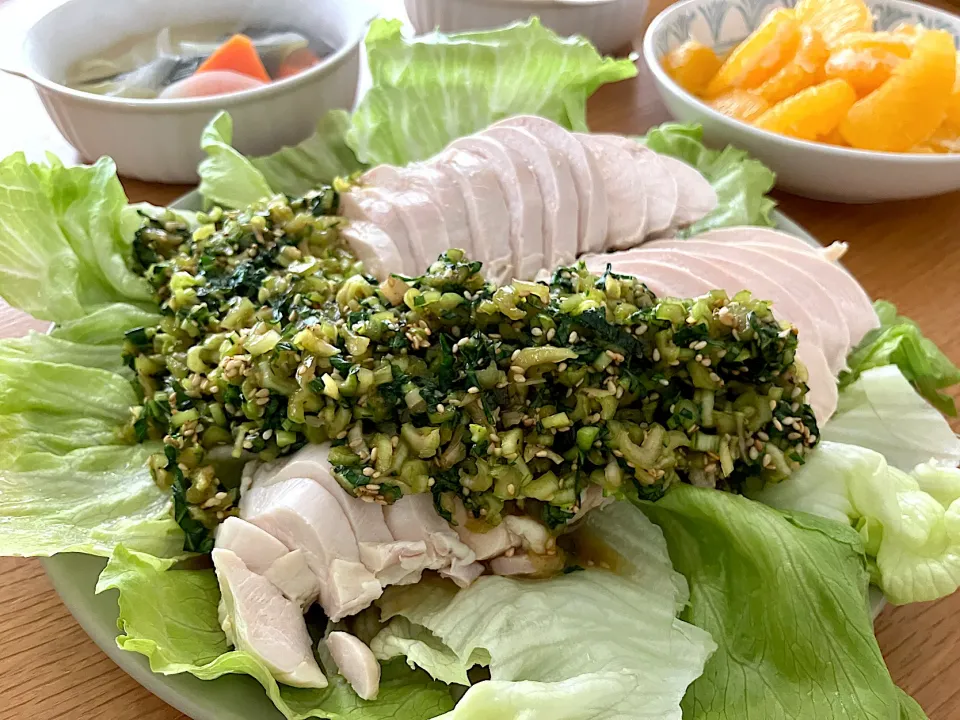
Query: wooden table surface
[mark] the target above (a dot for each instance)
(908, 253)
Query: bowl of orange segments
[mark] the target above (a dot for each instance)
(845, 100)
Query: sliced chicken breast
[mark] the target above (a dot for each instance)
(413, 518)
(696, 197)
(840, 286)
(522, 195)
(658, 184)
(257, 549)
(356, 663)
(495, 541)
(488, 218)
(259, 620)
(853, 302)
(441, 189)
(304, 516)
(417, 209)
(313, 462)
(557, 190)
(672, 274)
(745, 233)
(376, 250)
(374, 206)
(292, 576)
(587, 178)
(623, 184)
(790, 281)
(392, 562)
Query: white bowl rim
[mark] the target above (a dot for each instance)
(653, 62)
(216, 102)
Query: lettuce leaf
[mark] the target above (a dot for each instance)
(228, 178)
(170, 616)
(62, 248)
(741, 183)
(899, 341)
(785, 597)
(910, 523)
(881, 411)
(430, 90)
(319, 159)
(584, 646)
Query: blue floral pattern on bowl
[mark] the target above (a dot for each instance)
(722, 24)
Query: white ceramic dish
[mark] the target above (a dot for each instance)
(609, 24)
(815, 170)
(158, 140)
(232, 697)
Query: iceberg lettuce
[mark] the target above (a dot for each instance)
(882, 411)
(785, 598)
(899, 341)
(910, 523)
(590, 645)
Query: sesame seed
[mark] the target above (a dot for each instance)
(373, 486)
(536, 332)
(664, 382)
(516, 369)
(431, 482)
(519, 378)
(699, 357)
(773, 404)
(777, 425)
(440, 407)
(511, 489)
(466, 491)
(705, 362)
(541, 454)
(573, 337)
(763, 436)
(373, 454)
(368, 471)
(795, 393)
(793, 436)
(473, 390)
(812, 439)
(550, 333)
(767, 459)
(754, 453)
(656, 355)
(267, 434)
(714, 377)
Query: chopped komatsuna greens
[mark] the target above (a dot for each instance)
(513, 398)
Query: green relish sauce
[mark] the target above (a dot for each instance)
(513, 398)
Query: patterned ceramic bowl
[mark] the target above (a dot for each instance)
(811, 169)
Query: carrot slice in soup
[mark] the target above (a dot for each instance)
(237, 55)
(297, 62)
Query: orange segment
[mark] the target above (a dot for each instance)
(691, 65)
(758, 57)
(834, 18)
(953, 103)
(810, 113)
(833, 138)
(946, 139)
(899, 45)
(740, 104)
(907, 109)
(237, 55)
(801, 72)
(865, 70)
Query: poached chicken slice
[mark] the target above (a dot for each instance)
(587, 178)
(259, 620)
